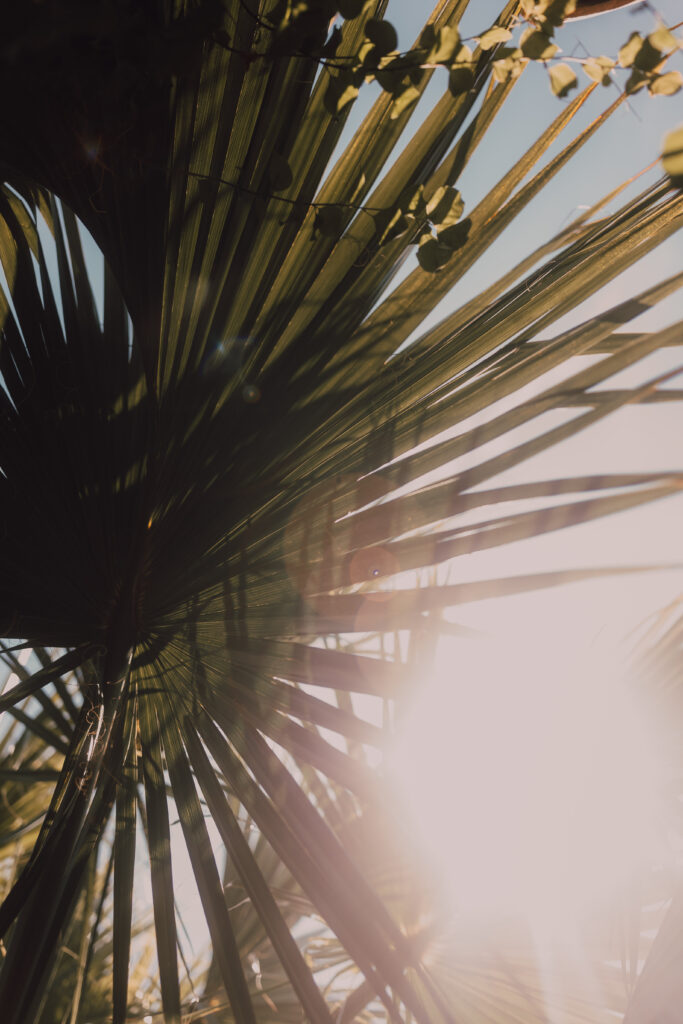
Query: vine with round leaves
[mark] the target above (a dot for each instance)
(316, 28)
(399, 72)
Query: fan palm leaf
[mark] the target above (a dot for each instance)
(243, 461)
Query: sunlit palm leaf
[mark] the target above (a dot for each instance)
(193, 501)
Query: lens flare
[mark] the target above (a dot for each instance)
(528, 778)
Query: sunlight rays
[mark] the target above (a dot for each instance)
(531, 781)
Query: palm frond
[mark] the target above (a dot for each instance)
(244, 451)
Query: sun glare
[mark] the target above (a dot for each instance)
(527, 775)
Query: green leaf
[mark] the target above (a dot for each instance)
(648, 56)
(329, 220)
(431, 255)
(445, 207)
(350, 9)
(536, 45)
(637, 80)
(391, 78)
(454, 235)
(509, 67)
(382, 35)
(663, 40)
(549, 13)
(445, 45)
(667, 84)
(460, 79)
(279, 173)
(342, 90)
(598, 69)
(494, 35)
(413, 202)
(630, 50)
(397, 225)
(329, 50)
(562, 79)
(672, 156)
(406, 98)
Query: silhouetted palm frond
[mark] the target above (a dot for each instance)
(232, 463)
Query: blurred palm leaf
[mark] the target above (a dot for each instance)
(215, 486)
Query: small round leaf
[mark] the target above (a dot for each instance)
(381, 34)
(537, 46)
(350, 9)
(430, 254)
(562, 79)
(455, 235)
(444, 46)
(445, 207)
(496, 34)
(666, 85)
(672, 156)
(629, 51)
(460, 80)
(330, 221)
(598, 69)
(279, 173)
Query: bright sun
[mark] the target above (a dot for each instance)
(529, 779)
